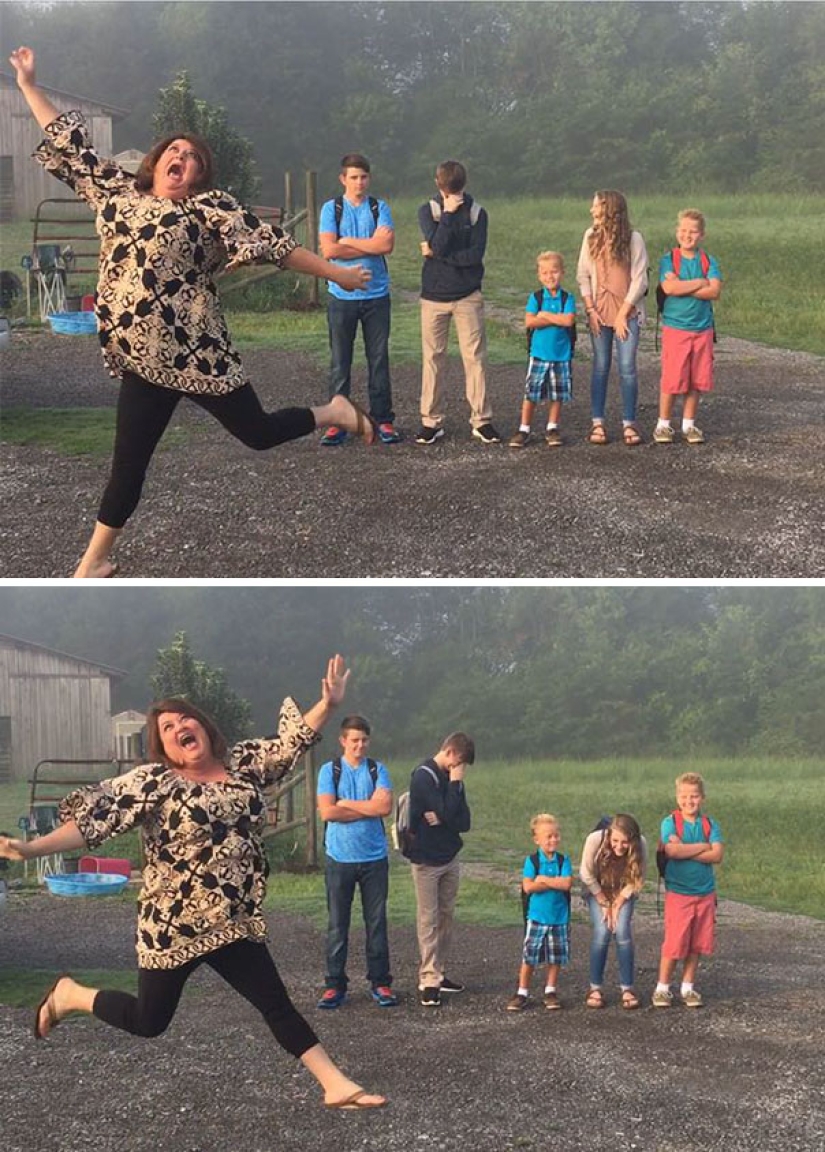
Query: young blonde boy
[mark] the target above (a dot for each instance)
(547, 931)
(549, 321)
(687, 327)
(690, 890)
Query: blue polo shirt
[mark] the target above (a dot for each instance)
(358, 221)
(357, 841)
(548, 907)
(551, 343)
(690, 877)
(686, 312)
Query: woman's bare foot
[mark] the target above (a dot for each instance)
(95, 570)
(347, 414)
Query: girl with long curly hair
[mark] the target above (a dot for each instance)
(613, 866)
(612, 278)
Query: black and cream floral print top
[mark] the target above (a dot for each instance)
(157, 306)
(205, 874)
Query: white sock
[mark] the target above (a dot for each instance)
(662, 423)
(685, 989)
(549, 988)
(523, 992)
(688, 424)
(551, 427)
(660, 987)
(524, 428)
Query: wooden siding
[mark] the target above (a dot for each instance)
(59, 707)
(20, 135)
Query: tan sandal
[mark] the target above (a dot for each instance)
(629, 1000)
(595, 999)
(598, 434)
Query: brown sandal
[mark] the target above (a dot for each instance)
(631, 435)
(48, 1003)
(595, 999)
(598, 434)
(629, 1000)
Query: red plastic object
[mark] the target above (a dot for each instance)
(105, 864)
(87, 304)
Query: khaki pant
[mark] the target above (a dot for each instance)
(472, 343)
(436, 888)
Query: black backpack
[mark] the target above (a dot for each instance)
(538, 296)
(336, 780)
(536, 862)
(339, 212)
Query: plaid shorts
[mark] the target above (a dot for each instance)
(549, 380)
(546, 944)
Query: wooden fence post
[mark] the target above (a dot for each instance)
(312, 229)
(287, 195)
(310, 788)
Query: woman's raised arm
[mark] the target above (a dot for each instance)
(44, 112)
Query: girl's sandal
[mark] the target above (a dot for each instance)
(629, 1000)
(598, 434)
(631, 436)
(595, 999)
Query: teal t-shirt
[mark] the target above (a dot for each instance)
(355, 841)
(690, 877)
(550, 907)
(686, 312)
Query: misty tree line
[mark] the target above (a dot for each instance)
(531, 672)
(545, 98)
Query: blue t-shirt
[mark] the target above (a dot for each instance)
(553, 342)
(357, 841)
(551, 906)
(690, 877)
(686, 312)
(358, 221)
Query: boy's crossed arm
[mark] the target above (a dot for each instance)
(702, 287)
(543, 883)
(703, 853)
(545, 319)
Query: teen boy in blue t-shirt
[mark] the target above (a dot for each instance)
(353, 809)
(549, 371)
(364, 234)
(547, 932)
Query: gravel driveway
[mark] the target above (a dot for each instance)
(745, 1074)
(746, 504)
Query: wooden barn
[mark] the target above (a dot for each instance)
(24, 183)
(52, 706)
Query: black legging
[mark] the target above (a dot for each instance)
(246, 965)
(143, 412)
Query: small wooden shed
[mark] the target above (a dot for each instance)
(52, 706)
(23, 182)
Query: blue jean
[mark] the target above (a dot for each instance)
(372, 878)
(343, 317)
(600, 943)
(626, 350)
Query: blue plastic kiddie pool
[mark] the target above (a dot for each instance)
(86, 884)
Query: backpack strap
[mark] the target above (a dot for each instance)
(336, 774)
(475, 212)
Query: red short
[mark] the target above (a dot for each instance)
(687, 361)
(690, 922)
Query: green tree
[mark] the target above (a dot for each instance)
(178, 673)
(179, 110)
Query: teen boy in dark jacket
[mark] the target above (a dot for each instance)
(438, 815)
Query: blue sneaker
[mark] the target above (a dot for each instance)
(387, 433)
(332, 998)
(384, 996)
(333, 436)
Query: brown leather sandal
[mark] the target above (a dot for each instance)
(598, 434)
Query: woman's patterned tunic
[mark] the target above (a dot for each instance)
(157, 306)
(205, 875)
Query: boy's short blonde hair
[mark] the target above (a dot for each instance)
(692, 214)
(550, 257)
(542, 818)
(691, 780)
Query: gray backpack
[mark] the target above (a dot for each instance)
(403, 836)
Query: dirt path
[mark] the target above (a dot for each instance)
(746, 504)
(742, 1075)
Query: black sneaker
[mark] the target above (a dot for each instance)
(431, 997)
(487, 434)
(451, 986)
(426, 435)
